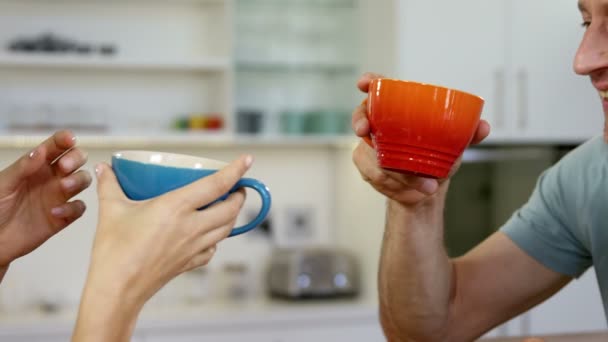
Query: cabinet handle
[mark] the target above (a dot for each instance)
(499, 96)
(522, 95)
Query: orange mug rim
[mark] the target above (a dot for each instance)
(430, 85)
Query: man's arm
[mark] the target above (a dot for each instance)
(425, 296)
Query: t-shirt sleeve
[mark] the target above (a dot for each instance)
(546, 228)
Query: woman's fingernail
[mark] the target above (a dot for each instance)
(67, 164)
(98, 170)
(212, 250)
(33, 153)
(68, 183)
(429, 186)
(248, 161)
(57, 211)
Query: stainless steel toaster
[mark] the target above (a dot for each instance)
(312, 272)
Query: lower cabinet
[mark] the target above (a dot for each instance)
(576, 308)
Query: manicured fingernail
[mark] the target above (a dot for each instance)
(74, 139)
(248, 161)
(57, 211)
(67, 164)
(429, 186)
(68, 183)
(33, 153)
(98, 170)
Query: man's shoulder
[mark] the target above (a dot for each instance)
(579, 175)
(588, 158)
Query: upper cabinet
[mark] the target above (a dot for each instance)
(516, 54)
(159, 68)
(549, 101)
(296, 66)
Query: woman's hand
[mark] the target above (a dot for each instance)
(141, 245)
(35, 194)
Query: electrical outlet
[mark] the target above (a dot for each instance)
(299, 223)
(265, 228)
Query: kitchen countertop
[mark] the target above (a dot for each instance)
(583, 337)
(205, 315)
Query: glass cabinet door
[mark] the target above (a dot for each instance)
(295, 66)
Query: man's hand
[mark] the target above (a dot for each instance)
(408, 190)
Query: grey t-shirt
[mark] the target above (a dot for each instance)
(564, 224)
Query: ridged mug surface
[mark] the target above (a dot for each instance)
(420, 128)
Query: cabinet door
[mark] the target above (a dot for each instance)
(457, 44)
(549, 100)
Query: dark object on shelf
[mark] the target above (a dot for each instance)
(265, 227)
(107, 49)
(249, 121)
(21, 45)
(84, 49)
(50, 43)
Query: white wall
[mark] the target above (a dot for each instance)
(297, 177)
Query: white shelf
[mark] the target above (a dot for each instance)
(210, 64)
(176, 139)
(287, 67)
(202, 2)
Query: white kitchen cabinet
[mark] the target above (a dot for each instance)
(296, 62)
(456, 44)
(517, 55)
(576, 308)
(549, 100)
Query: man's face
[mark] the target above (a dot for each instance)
(592, 55)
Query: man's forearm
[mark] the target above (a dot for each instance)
(415, 272)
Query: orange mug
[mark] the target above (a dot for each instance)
(420, 128)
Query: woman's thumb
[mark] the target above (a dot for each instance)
(107, 184)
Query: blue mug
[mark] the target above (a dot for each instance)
(146, 174)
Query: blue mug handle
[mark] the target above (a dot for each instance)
(266, 201)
